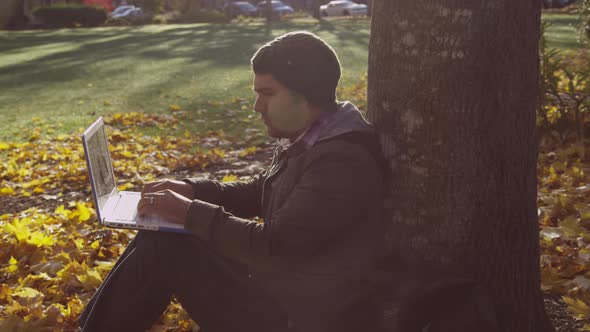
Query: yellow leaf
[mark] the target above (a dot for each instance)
(4, 146)
(19, 230)
(248, 151)
(95, 244)
(90, 279)
(125, 186)
(12, 265)
(7, 191)
(84, 212)
(127, 154)
(229, 178)
(27, 292)
(219, 153)
(75, 307)
(79, 243)
(61, 210)
(578, 307)
(40, 240)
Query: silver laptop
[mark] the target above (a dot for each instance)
(114, 208)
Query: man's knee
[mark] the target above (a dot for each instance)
(173, 250)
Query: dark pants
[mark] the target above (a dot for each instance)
(215, 292)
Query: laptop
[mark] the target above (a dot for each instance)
(114, 208)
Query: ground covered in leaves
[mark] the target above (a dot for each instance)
(54, 253)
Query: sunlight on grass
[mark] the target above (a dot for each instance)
(562, 32)
(73, 76)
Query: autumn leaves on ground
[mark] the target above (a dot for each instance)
(54, 252)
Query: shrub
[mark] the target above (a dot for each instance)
(67, 16)
(165, 18)
(564, 107)
(585, 19)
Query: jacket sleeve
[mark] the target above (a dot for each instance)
(241, 198)
(338, 186)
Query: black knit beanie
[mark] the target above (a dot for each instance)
(304, 63)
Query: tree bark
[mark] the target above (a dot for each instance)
(268, 11)
(316, 9)
(8, 10)
(452, 90)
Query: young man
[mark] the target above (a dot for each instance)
(308, 266)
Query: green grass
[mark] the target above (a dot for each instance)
(70, 77)
(562, 32)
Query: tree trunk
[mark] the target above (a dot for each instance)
(8, 10)
(453, 89)
(316, 9)
(268, 11)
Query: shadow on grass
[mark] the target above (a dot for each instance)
(74, 75)
(219, 44)
(562, 31)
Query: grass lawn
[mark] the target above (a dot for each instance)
(562, 32)
(70, 77)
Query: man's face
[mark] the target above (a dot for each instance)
(285, 113)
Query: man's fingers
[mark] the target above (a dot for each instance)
(148, 188)
(165, 204)
(147, 203)
(153, 187)
(151, 202)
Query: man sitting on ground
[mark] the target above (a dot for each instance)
(308, 266)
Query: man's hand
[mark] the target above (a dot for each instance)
(179, 187)
(166, 204)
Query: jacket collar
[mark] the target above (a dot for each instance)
(347, 118)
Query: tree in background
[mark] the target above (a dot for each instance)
(268, 11)
(9, 9)
(316, 8)
(585, 13)
(453, 89)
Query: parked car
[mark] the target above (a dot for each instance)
(126, 12)
(278, 8)
(237, 8)
(120, 9)
(343, 8)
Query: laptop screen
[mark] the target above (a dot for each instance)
(99, 162)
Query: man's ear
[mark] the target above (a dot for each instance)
(298, 98)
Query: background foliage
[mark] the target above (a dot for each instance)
(68, 16)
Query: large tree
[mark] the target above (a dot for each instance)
(453, 88)
(9, 9)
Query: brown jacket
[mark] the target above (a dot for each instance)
(315, 251)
